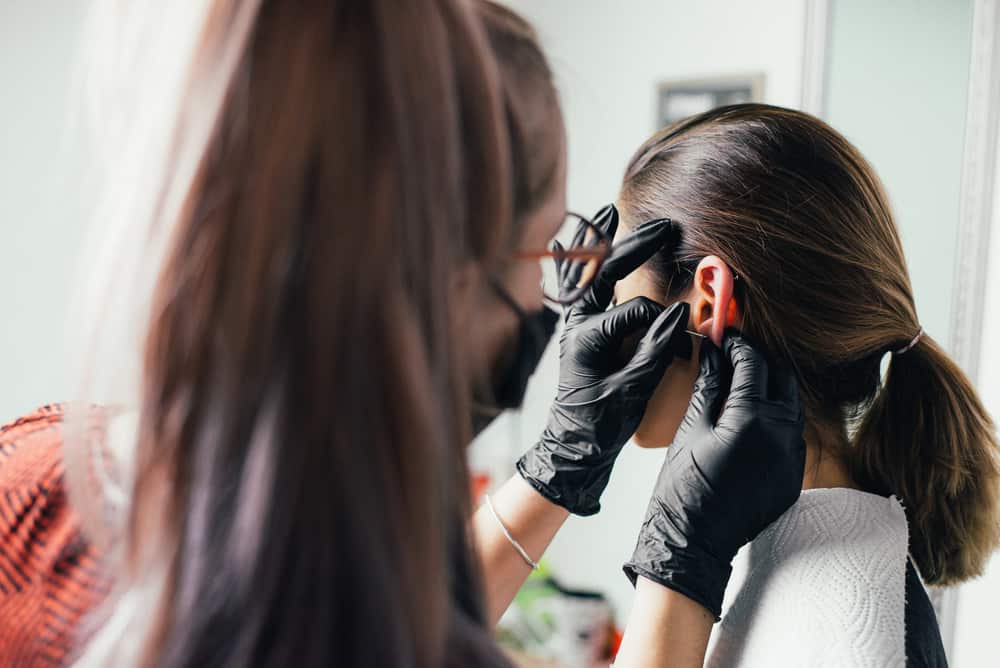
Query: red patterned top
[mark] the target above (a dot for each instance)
(49, 574)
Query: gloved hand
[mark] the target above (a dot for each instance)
(601, 399)
(724, 482)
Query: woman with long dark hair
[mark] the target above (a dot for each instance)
(787, 234)
(338, 210)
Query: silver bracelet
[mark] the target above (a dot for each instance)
(510, 538)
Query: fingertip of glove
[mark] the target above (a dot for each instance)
(605, 211)
(676, 313)
(637, 313)
(658, 227)
(669, 330)
(737, 345)
(650, 305)
(680, 340)
(606, 219)
(709, 356)
(630, 572)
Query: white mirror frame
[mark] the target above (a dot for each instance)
(976, 207)
(976, 212)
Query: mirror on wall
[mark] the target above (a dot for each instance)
(893, 77)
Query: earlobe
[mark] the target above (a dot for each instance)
(714, 308)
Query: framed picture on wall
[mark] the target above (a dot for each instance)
(682, 98)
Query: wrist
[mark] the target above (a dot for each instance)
(665, 628)
(690, 571)
(575, 487)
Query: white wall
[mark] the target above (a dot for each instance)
(41, 223)
(898, 74)
(609, 58)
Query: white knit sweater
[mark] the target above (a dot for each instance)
(822, 586)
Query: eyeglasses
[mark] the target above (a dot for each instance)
(568, 272)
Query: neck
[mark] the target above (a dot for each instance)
(826, 444)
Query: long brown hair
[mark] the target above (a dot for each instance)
(300, 479)
(531, 105)
(801, 218)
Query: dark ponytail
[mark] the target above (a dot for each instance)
(927, 438)
(301, 496)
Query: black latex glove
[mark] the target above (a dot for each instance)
(601, 398)
(724, 482)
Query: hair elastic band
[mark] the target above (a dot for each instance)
(912, 343)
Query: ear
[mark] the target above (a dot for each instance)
(713, 308)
